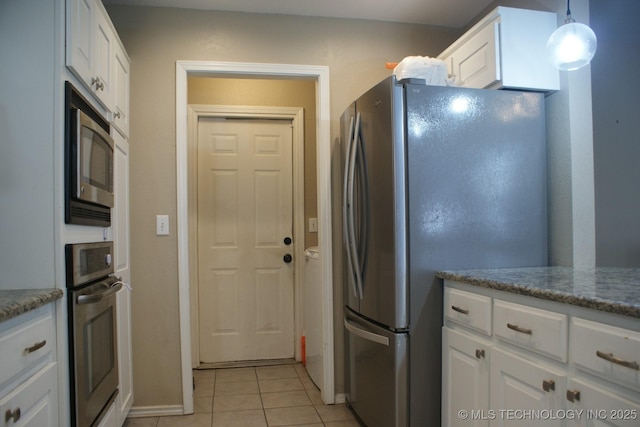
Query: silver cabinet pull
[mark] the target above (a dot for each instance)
(480, 353)
(613, 359)
(519, 329)
(548, 385)
(37, 346)
(573, 395)
(9, 415)
(459, 310)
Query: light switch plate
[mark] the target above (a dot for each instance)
(313, 225)
(162, 225)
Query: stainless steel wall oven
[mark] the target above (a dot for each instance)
(93, 353)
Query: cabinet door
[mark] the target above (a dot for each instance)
(80, 23)
(476, 64)
(124, 400)
(89, 40)
(465, 379)
(121, 90)
(103, 48)
(33, 403)
(596, 406)
(520, 387)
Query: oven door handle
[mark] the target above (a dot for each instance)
(94, 298)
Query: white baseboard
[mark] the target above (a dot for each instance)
(155, 411)
(340, 398)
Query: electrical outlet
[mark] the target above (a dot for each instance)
(313, 225)
(162, 225)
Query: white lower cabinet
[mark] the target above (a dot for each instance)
(543, 364)
(521, 389)
(465, 383)
(594, 405)
(28, 372)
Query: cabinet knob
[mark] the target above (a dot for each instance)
(548, 385)
(116, 114)
(9, 415)
(287, 258)
(573, 395)
(479, 353)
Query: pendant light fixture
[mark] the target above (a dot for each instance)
(572, 45)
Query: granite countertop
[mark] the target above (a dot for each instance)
(613, 290)
(17, 301)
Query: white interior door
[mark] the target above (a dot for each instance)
(245, 212)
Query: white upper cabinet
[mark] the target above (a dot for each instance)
(121, 66)
(505, 50)
(95, 55)
(90, 44)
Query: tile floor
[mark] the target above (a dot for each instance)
(264, 396)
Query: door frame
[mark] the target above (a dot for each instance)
(318, 73)
(295, 116)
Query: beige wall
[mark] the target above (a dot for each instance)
(155, 38)
(278, 93)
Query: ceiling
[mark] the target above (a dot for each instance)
(445, 13)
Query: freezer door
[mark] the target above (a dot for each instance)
(376, 373)
(380, 175)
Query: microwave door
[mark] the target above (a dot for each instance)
(95, 163)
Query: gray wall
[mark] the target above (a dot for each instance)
(27, 90)
(616, 128)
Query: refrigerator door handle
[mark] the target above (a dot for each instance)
(363, 203)
(369, 336)
(352, 246)
(345, 204)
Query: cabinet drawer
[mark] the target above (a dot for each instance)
(468, 309)
(26, 342)
(610, 352)
(539, 330)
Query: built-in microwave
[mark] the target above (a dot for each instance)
(88, 163)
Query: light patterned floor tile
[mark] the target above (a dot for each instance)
(235, 375)
(239, 419)
(241, 402)
(195, 420)
(240, 387)
(276, 372)
(292, 416)
(349, 423)
(283, 384)
(141, 422)
(285, 399)
(202, 404)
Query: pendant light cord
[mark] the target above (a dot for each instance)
(569, 19)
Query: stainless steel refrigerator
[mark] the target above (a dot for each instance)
(435, 178)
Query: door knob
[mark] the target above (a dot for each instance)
(287, 241)
(287, 258)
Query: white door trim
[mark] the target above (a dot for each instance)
(323, 151)
(296, 116)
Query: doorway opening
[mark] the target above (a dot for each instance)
(319, 74)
